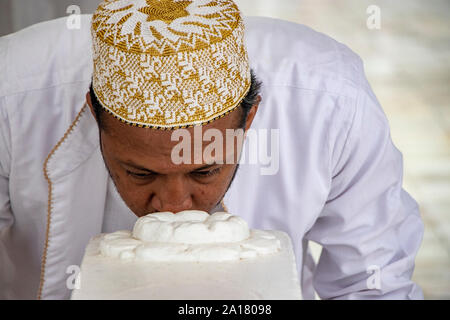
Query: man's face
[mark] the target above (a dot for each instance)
(140, 163)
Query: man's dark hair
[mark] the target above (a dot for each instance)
(246, 103)
(250, 98)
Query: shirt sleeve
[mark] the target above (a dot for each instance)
(6, 217)
(370, 228)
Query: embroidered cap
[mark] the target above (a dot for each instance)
(169, 64)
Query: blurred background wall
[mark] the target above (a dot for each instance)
(407, 62)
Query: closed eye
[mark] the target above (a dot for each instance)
(206, 173)
(139, 175)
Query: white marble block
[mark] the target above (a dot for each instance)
(188, 256)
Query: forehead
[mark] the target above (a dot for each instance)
(152, 148)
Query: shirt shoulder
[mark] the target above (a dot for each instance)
(44, 55)
(284, 53)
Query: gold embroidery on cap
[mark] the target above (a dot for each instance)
(169, 63)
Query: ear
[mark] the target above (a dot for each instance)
(89, 102)
(252, 113)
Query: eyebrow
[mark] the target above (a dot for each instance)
(138, 167)
(135, 166)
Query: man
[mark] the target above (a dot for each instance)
(74, 164)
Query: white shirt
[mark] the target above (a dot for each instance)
(117, 215)
(339, 181)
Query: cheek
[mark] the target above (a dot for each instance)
(133, 196)
(207, 196)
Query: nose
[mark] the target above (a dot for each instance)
(174, 196)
